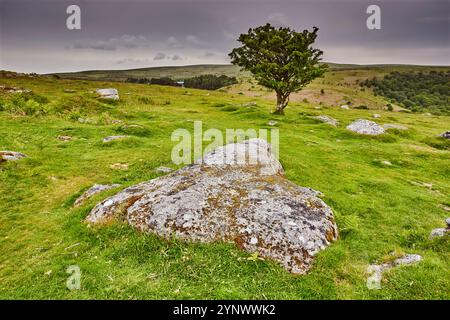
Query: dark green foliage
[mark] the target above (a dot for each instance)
(209, 82)
(416, 91)
(280, 59)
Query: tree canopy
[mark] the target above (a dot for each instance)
(280, 59)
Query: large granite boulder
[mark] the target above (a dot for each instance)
(225, 198)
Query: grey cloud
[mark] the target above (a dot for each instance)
(160, 56)
(112, 44)
(176, 57)
(133, 60)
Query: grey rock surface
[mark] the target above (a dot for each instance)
(221, 199)
(112, 138)
(388, 126)
(440, 232)
(11, 156)
(109, 93)
(446, 135)
(95, 189)
(366, 127)
(327, 119)
(377, 270)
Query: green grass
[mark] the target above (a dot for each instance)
(379, 209)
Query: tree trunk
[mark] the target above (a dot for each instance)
(282, 101)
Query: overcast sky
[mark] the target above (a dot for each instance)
(144, 33)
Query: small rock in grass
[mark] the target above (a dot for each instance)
(109, 93)
(376, 115)
(407, 259)
(95, 189)
(365, 127)
(386, 162)
(394, 126)
(445, 208)
(163, 169)
(327, 120)
(111, 138)
(64, 138)
(438, 232)
(445, 135)
(11, 156)
(69, 91)
(345, 107)
(272, 123)
(119, 166)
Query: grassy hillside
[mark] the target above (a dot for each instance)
(380, 209)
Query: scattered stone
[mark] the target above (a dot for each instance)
(345, 107)
(221, 199)
(14, 89)
(386, 162)
(377, 270)
(445, 208)
(328, 120)
(318, 108)
(64, 138)
(119, 166)
(11, 156)
(112, 138)
(249, 104)
(109, 93)
(440, 232)
(388, 126)
(366, 127)
(116, 121)
(428, 185)
(85, 120)
(445, 135)
(272, 123)
(95, 189)
(376, 115)
(162, 169)
(69, 91)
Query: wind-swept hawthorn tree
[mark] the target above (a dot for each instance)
(280, 59)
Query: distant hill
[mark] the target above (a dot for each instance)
(183, 72)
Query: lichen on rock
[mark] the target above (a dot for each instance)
(221, 199)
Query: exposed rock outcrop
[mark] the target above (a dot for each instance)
(366, 127)
(221, 198)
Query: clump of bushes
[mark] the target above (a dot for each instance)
(206, 81)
